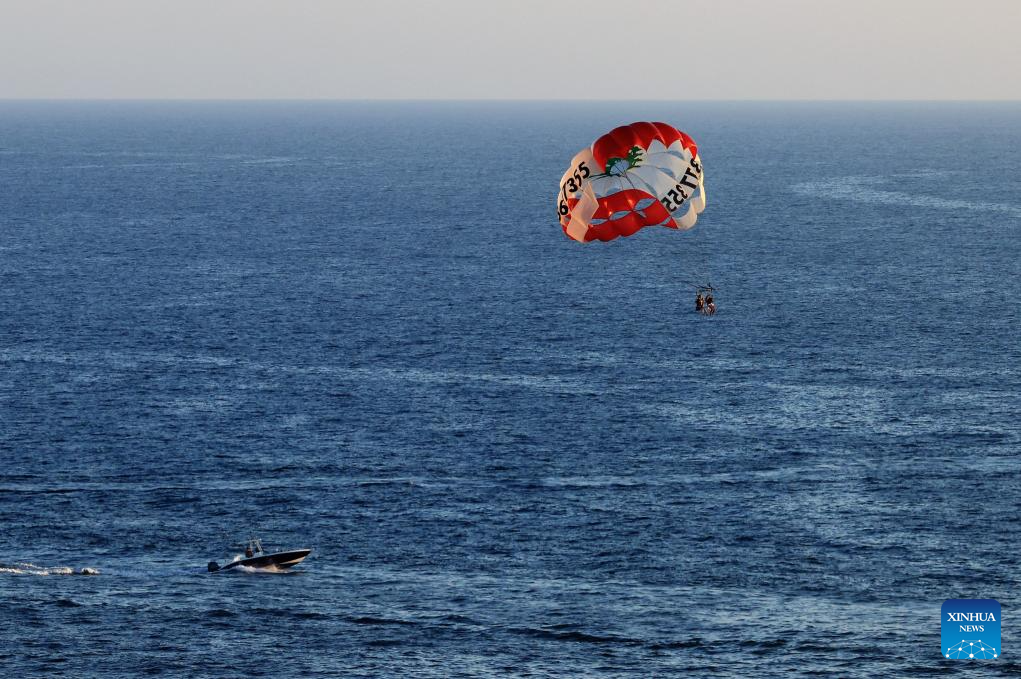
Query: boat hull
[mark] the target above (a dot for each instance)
(278, 560)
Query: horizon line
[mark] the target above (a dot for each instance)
(503, 100)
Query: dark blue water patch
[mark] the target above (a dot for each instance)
(573, 636)
(384, 643)
(369, 620)
(220, 613)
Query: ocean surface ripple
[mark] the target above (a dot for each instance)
(357, 328)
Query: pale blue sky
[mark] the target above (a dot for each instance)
(535, 49)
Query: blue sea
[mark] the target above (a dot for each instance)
(358, 327)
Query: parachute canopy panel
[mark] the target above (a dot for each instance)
(637, 175)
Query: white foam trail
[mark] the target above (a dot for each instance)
(25, 568)
(267, 569)
(858, 189)
(275, 160)
(130, 360)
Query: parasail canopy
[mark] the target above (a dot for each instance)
(637, 175)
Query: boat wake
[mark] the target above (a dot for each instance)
(25, 568)
(863, 189)
(265, 570)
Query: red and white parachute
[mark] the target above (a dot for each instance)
(642, 174)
